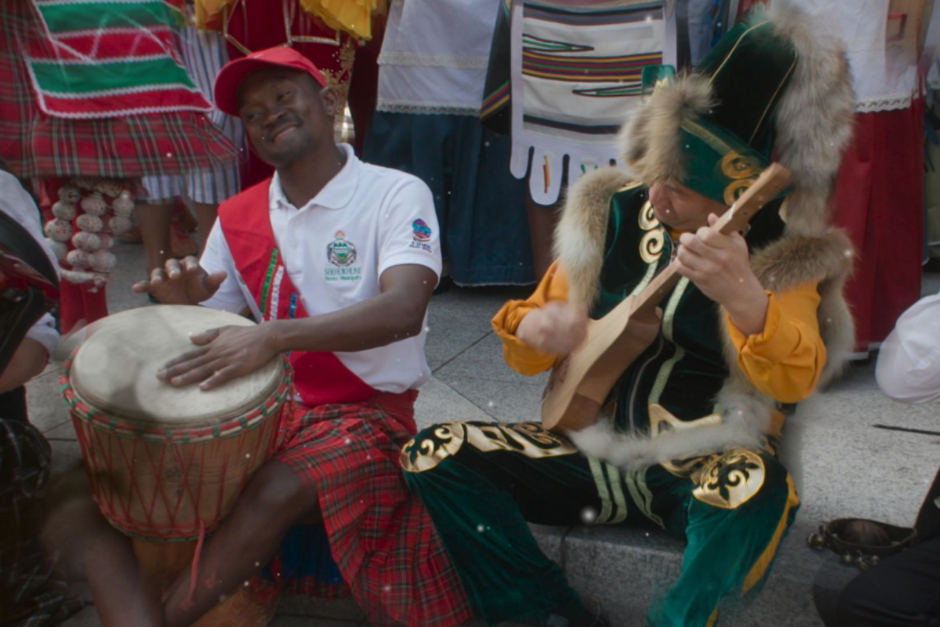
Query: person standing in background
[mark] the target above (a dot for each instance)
(432, 70)
(881, 179)
(574, 78)
(92, 95)
(204, 53)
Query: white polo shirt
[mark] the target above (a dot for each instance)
(334, 249)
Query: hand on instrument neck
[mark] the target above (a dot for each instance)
(181, 283)
(719, 265)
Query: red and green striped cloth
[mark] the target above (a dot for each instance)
(37, 145)
(107, 58)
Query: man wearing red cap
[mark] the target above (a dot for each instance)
(336, 259)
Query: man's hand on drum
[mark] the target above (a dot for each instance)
(181, 282)
(555, 328)
(225, 353)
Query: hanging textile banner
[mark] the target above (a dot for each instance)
(104, 59)
(575, 78)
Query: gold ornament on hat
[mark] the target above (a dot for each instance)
(743, 170)
(734, 189)
(734, 165)
(289, 11)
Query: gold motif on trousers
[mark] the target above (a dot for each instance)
(432, 446)
(727, 479)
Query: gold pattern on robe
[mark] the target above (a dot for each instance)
(647, 217)
(724, 480)
(662, 421)
(432, 446)
(731, 479)
(652, 242)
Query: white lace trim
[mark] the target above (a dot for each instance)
(424, 108)
(883, 103)
(418, 59)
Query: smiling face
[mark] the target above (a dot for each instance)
(680, 208)
(287, 114)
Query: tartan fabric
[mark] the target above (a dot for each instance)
(108, 59)
(29, 595)
(35, 145)
(380, 535)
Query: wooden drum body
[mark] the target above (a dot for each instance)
(166, 464)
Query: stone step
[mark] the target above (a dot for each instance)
(626, 569)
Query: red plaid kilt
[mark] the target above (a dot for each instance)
(35, 145)
(380, 535)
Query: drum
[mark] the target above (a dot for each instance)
(166, 463)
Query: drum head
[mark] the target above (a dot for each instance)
(115, 370)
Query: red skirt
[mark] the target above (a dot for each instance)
(879, 201)
(380, 535)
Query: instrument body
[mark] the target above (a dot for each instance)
(581, 382)
(166, 464)
(28, 285)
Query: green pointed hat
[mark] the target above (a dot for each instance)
(770, 89)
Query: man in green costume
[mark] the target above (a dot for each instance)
(755, 324)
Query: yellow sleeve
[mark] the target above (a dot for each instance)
(521, 357)
(785, 359)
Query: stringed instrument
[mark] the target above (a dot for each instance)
(580, 383)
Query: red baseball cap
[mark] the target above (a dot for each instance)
(234, 72)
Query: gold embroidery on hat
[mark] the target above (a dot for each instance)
(734, 189)
(734, 165)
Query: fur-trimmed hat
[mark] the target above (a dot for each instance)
(770, 87)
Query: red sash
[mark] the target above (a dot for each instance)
(319, 377)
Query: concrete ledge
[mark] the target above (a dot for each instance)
(626, 569)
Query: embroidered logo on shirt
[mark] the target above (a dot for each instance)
(421, 230)
(340, 252)
(421, 233)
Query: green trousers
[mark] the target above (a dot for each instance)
(483, 482)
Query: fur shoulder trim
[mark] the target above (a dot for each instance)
(828, 260)
(745, 419)
(814, 118)
(582, 230)
(650, 142)
(637, 452)
(794, 260)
